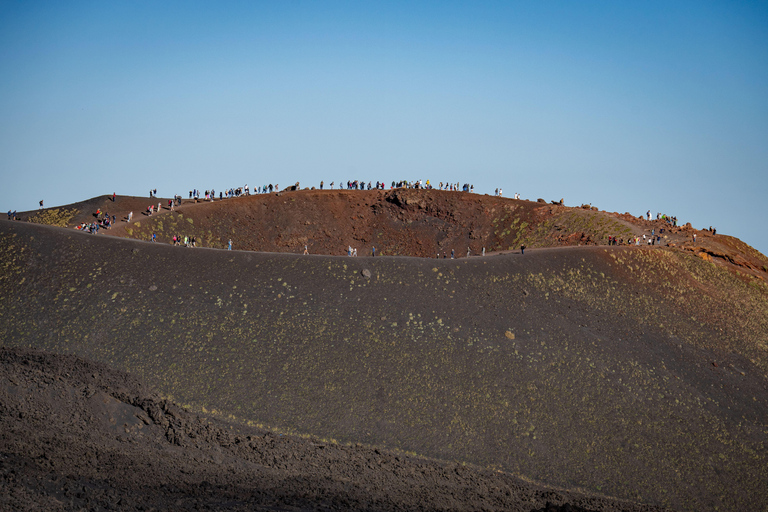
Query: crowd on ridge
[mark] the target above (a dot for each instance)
(664, 217)
(380, 185)
(210, 195)
(105, 221)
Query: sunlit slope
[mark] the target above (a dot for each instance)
(404, 222)
(639, 373)
(397, 222)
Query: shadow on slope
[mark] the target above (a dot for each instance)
(77, 434)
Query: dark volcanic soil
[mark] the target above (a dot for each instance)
(77, 435)
(640, 373)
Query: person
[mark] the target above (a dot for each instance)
(694, 237)
(9, 214)
(229, 248)
(483, 251)
(522, 249)
(354, 252)
(306, 250)
(373, 251)
(321, 184)
(349, 250)
(452, 255)
(154, 237)
(468, 252)
(41, 204)
(113, 197)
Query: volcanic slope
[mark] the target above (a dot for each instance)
(79, 435)
(637, 373)
(408, 222)
(404, 222)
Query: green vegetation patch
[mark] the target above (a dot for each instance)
(54, 216)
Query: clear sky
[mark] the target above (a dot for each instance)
(629, 106)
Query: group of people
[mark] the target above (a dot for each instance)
(103, 220)
(500, 193)
(380, 185)
(649, 240)
(188, 241)
(469, 253)
(358, 185)
(210, 195)
(90, 227)
(661, 216)
(245, 190)
(352, 251)
(652, 239)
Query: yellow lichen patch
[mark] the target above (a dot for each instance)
(54, 217)
(510, 335)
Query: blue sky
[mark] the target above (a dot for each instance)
(628, 106)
